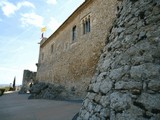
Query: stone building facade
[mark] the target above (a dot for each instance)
(126, 85)
(70, 55)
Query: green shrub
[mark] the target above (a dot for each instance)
(7, 89)
(1, 91)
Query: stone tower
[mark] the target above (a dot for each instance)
(126, 85)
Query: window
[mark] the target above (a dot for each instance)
(86, 25)
(84, 28)
(42, 56)
(52, 48)
(74, 33)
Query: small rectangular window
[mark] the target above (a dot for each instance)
(52, 48)
(74, 33)
(84, 28)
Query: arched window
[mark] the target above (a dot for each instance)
(86, 25)
(74, 33)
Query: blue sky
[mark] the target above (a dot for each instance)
(21, 22)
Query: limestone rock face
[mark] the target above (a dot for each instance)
(43, 90)
(126, 85)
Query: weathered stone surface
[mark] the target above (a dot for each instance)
(97, 98)
(36, 88)
(86, 116)
(98, 108)
(91, 96)
(145, 70)
(91, 106)
(129, 67)
(85, 102)
(96, 87)
(42, 90)
(116, 74)
(128, 85)
(104, 101)
(101, 77)
(94, 117)
(119, 101)
(150, 101)
(106, 64)
(104, 113)
(106, 86)
(154, 85)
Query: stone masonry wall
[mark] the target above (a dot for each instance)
(126, 85)
(28, 78)
(72, 64)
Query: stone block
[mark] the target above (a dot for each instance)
(128, 85)
(91, 106)
(116, 73)
(86, 116)
(149, 101)
(106, 86)
(85, 103)
(101, 76)
(146, 70)
(98, 108)
(96, 87)
(105, 65)
(94, 117)
(120, 101)
(104, 112)
(154, 85)
(97, 98)
(91, 96)
(104, 101)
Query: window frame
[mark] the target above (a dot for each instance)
(86, 24)
(74, 33)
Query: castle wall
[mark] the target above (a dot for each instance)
(126, 85)
(72, 64)
(29, 77)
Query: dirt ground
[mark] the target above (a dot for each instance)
(14, 106)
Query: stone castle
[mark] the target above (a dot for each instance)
(111, 48)
(70, 55)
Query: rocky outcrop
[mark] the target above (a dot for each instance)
(126, 85)
(41, 90)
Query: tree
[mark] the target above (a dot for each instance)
(14, 83)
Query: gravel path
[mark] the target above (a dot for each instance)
(17, 107)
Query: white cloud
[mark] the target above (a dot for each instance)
(52, 2)
(53, 24)
(32, 19)
(9, 8)
(25, 3)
